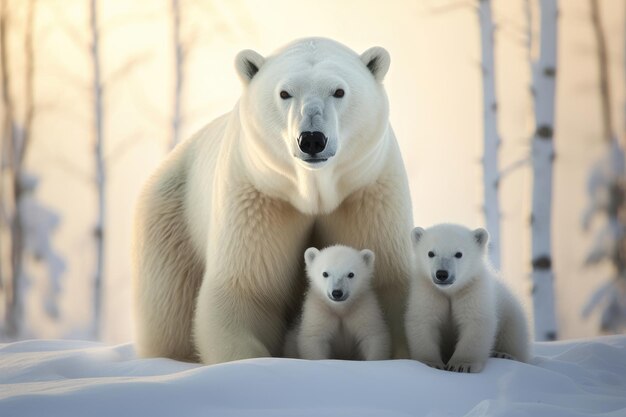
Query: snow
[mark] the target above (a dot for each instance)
(76, 378)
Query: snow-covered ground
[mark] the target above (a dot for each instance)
(75, 378)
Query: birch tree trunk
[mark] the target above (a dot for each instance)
(543, 90)
(16, 143)
(100, 177)
(607, 191)
(11, 289)
(621, 252)
(179, 57)
(491, 136)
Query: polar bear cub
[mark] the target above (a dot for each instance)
(459, 312)
(341, 317)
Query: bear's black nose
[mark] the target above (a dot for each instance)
(337, 294)
(441, 275)
(312, 142)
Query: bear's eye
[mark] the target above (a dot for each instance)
(431, 254)
(339, 93)
(458, 255)
(284, 95)
(351, 275)
(325, 274)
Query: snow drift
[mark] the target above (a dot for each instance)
(74, 378)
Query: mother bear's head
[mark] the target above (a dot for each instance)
(315, 111)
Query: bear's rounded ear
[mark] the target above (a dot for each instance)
(377, 61)
(417, 234)
(310, 254)
(248, 64)
(481, 236)
(368, 257)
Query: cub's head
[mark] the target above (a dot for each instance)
(450, 255)
(312, 103)
(339, 273)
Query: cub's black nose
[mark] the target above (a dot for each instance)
(337, 294)
(441, 275)
(312, 142)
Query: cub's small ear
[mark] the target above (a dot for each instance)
(377, 61)
(417, 234)
(368, 257)
(248, 63)
(481, 236)
(310, 254)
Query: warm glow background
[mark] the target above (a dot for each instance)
(435, 96)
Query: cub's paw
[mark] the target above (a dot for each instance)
(465, 367)
(502, 355)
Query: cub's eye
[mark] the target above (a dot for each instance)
(351, 275)
(431, 254)
(325, 274)
(458, 255)
(284, 95)
(339, 93)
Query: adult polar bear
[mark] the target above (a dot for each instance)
(306, 158)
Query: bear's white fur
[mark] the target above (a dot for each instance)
(459, 312)
(221, 226)
(341, 318)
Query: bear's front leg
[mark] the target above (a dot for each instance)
(253, 277)
(426, 313)
(376, 346)
(230, 326)
(317, 332)
(476, 323)
(368, 326)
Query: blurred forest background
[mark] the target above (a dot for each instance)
(508, 115)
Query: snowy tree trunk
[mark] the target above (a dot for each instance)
(13, 309)
(543, 89)
(179, 57)
(100, 178)
(607, 192)
(17, 138)
(490, 127)
(622, 248)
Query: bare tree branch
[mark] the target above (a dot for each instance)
(603, 68)
(504, 172)
(128, 19)
(72, 169)
(128, 66)
(73, 33)
(450, 7)
(123, 147)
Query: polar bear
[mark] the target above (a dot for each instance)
(459, 313)
(306, 158)
(341, 317)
